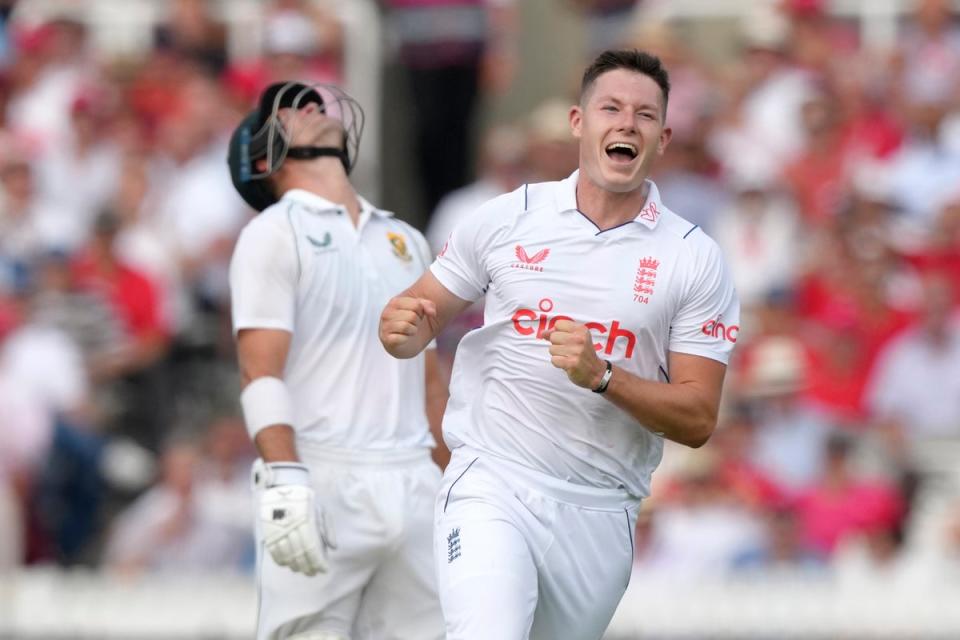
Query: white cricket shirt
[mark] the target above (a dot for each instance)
(645, 288)
(302, 266)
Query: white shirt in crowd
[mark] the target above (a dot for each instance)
(917, 382)
(645, 288)
(302, 266)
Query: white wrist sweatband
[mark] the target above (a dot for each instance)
(266, 402)
(285, 473)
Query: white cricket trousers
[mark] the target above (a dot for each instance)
(520, 554)
(380, 584)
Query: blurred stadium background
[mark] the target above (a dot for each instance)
(818, 141)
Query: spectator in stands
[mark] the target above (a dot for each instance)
(53, 68)
(26, 429)
(301, 39)
(132, 295)
(782, 550)
(178, 525)
(761, 129)
(688, 178)
(135, 301)
(789, 436)
(144, 244)
(928, 57)
(872, 131)
(85, 316)
(843, 503)
(699, 528)
(65, 490)
(192, 197)
(940, 250)
(224, 478)
(78, 174)
(915, 385)
(759, 230)
(607, 23)
(749, 484)
(926, 164)
(192, 32)
(51, 363)
(817, 41)
(28, 225)
(817, 177)
(447, 71)
(552, 153)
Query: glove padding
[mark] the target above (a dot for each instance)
(296, 531)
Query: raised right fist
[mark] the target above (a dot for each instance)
(400, 325)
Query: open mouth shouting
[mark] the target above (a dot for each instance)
(621, 152)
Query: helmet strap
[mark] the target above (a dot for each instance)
(309, 153)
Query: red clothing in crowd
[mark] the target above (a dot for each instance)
(826, 515)
(751, 484)
(132, 294)
(874, 134)
(817, 181)
(945, 260)
(851, 337)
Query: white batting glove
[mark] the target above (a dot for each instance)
(296, 531)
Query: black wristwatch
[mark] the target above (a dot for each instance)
(605, 380)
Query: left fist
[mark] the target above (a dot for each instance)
(571, 349)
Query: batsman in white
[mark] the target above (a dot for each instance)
(608, 324)
(345, 482)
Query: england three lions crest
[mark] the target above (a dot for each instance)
(645, 280)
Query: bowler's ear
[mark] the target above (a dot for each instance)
(576, 120)
(665, 136)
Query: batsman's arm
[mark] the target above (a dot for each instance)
(267, 407)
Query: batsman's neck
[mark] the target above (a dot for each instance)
(325, 177)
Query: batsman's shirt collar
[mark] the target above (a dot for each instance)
(648, 216)
(322, 205)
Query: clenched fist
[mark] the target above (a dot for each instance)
(400, 325)
(571, 349)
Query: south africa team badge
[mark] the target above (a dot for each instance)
(399, 244)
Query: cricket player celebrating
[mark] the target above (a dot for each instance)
(608, 324)
(345, 483)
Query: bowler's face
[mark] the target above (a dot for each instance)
(621, 130)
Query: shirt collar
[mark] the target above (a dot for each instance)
(649, 215)
(322, 205)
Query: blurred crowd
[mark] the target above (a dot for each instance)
(119, 428)
(827, 170)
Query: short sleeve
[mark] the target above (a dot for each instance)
(460, 265)
(263, 278)
(708, 321)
